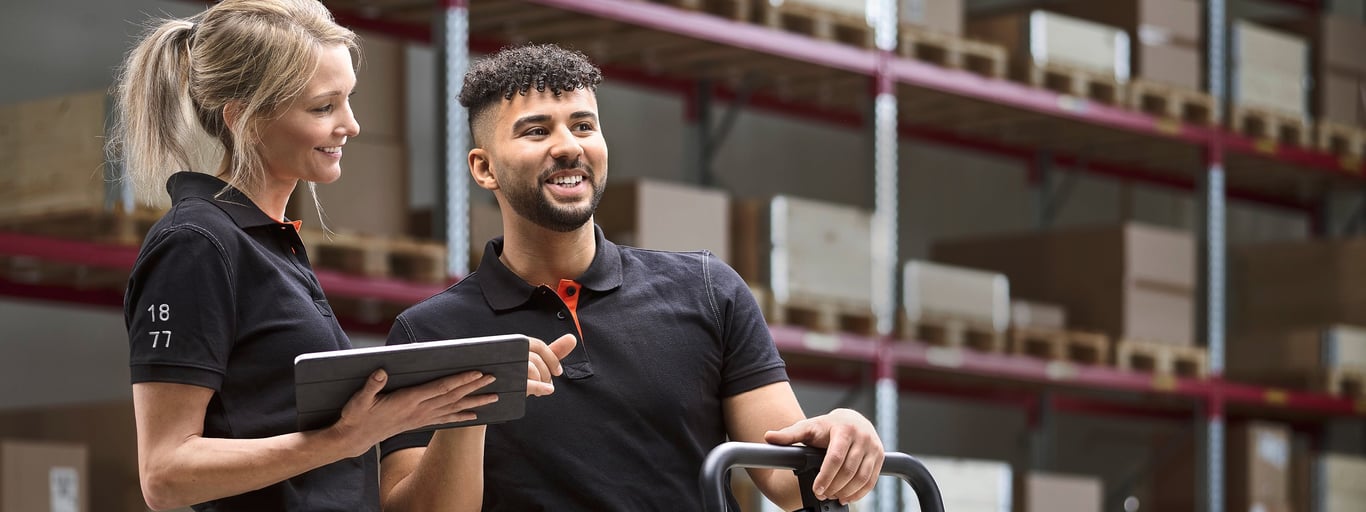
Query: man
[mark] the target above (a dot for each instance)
(672, 357)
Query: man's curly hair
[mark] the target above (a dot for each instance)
(517, 70)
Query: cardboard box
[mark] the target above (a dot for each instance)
(1283, 286)
(666, 216)
(968, 485)
(379, 103)
(1335, 41)
(804, 249)
(1341, 97)
(1171, 64)
(1165, 35)
(108, 433)
(1268, 69)
(486, 223)
(1258, 464)
(1130, 281)
(933, 290)
(371, 197)
(1041, 37)
(1344, 482)
(843, 7)
(1055, 492)
(43, 476)
(942, 16)
(1302, 350)
(52, 155)
(1042, 315)
(1257, 470)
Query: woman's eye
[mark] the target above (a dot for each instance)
(324, 109)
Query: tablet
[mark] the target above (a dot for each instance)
(325, 381)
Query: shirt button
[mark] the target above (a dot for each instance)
(560, 315)
(570, 291)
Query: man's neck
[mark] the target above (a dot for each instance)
(541, 256)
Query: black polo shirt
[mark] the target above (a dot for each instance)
(222, 296)
(664, 337)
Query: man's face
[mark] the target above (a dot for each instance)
(549, 157)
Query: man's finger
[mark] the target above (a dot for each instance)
(564, 345)
(799, 432)
(536, 371)
(831, 477)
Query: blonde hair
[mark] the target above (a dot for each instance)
(251, 56)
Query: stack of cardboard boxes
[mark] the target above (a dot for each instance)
(1268, 83)
(1130, 281)
(1060, 52)
(1339, 77)
(38, 476)
(1344, 482)
(1165, 36)
(1257, 472)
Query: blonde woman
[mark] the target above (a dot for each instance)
(222, 297)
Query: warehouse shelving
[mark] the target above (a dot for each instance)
(672, 49)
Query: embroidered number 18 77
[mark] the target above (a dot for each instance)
(162, 313)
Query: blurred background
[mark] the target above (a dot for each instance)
(1079, 255)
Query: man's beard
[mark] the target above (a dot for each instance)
(532, 204)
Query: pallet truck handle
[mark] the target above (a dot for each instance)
(803, 459)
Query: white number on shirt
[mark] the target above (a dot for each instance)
(160, 312)
(156, 338)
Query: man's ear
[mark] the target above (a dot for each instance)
(481, 169)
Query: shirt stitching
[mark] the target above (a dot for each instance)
(711, 292)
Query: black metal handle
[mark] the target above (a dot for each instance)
(799, 458)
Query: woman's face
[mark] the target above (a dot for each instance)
(304, 141)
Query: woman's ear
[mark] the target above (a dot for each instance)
(231, 111)
(481, 169)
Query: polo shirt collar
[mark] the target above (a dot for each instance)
(504, 289)
(238, 206)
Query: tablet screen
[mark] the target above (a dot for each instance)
(325, 381)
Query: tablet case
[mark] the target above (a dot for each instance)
(325, 381)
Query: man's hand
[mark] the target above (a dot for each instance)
(853, 452)
(543, 362)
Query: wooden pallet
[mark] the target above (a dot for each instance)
(1343, 382)
(1339, 139)
(817, 23)
(1060, 345)
(1162, 358)
(1084, 83)
(374, 256)
(1266, 124)
(738, 10)
(817, 314)
(95, 225)
(34, 271)
(1171, 102)
(945, 331)
(945, 50)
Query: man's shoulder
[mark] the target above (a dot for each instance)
(658, 256)
(659, 264)
(461, 296)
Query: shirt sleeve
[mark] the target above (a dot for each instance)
(751, 359)
(180, 310)
(400, 334)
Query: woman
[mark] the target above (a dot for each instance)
(222, 297)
